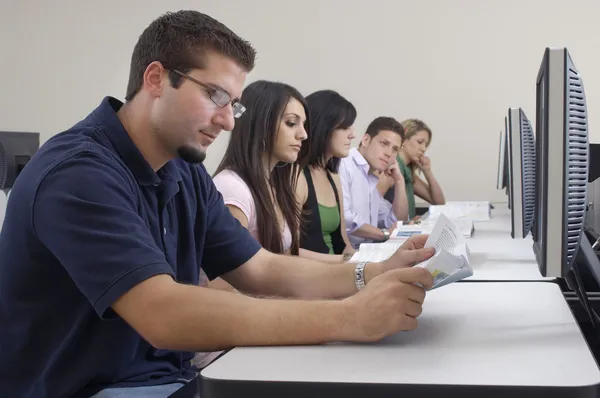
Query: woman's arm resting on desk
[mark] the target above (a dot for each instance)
(430, 190)
(174, 316)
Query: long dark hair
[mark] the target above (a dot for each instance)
(328, 111)
(254, 134)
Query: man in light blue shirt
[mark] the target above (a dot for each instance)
(368, 215)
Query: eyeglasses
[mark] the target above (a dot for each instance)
(219, 96)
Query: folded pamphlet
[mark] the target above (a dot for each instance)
(450, 263)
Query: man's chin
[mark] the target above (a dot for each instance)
(191, 154)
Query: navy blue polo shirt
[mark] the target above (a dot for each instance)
(87, 220)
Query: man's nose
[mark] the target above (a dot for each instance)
(224, 117)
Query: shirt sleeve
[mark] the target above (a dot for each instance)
(352, 217)
(236, 193)
(85, 213)
(385, 213)
(228, 244)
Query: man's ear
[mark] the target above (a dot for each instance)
(155, 79)
(366, 139)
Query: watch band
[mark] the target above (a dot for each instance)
(359, 275)
(386, 234)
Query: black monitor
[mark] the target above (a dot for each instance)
(16, 148)
(502, 179)
(521, 171)
(562, 158)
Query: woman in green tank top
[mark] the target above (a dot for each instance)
(330, 222)
(411, 160)
(319, 187)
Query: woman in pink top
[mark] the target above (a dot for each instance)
(257, 176)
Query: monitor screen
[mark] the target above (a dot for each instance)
(540, 144)
(502, 162)
(16, 148)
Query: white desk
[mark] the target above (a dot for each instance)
(473, 339)
(495, 256)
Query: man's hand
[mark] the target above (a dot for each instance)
(390, 303)
(410, 253)
(389, 177)
(386, 181)
(394, 173)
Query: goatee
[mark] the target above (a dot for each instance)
(191, 155)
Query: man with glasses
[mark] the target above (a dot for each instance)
(218, 95)
(108, 224)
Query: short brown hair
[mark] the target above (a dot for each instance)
(385, 123)
(179, 40)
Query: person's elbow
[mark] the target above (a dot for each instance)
(158, 338)
(145, 307)
(352, 222)
(398, 215)
(390, 221)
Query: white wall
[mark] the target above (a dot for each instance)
(456, 64)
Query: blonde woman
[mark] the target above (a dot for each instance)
(413, 161)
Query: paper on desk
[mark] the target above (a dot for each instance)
(475, 211)
(374, 252)
(403, 232)
(450, 262)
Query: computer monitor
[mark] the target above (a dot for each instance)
(502, 179)
(521, 171)
(16, 148)
(562, 156)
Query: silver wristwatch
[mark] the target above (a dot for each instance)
(359, 275)
(386, 234)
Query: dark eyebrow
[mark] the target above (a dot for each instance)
(296, 116)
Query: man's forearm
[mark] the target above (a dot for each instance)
(383, 187)
(192, 318)
(400, 205)
(368, 231)
(220, 284)
(321, 257)
(292, 276)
